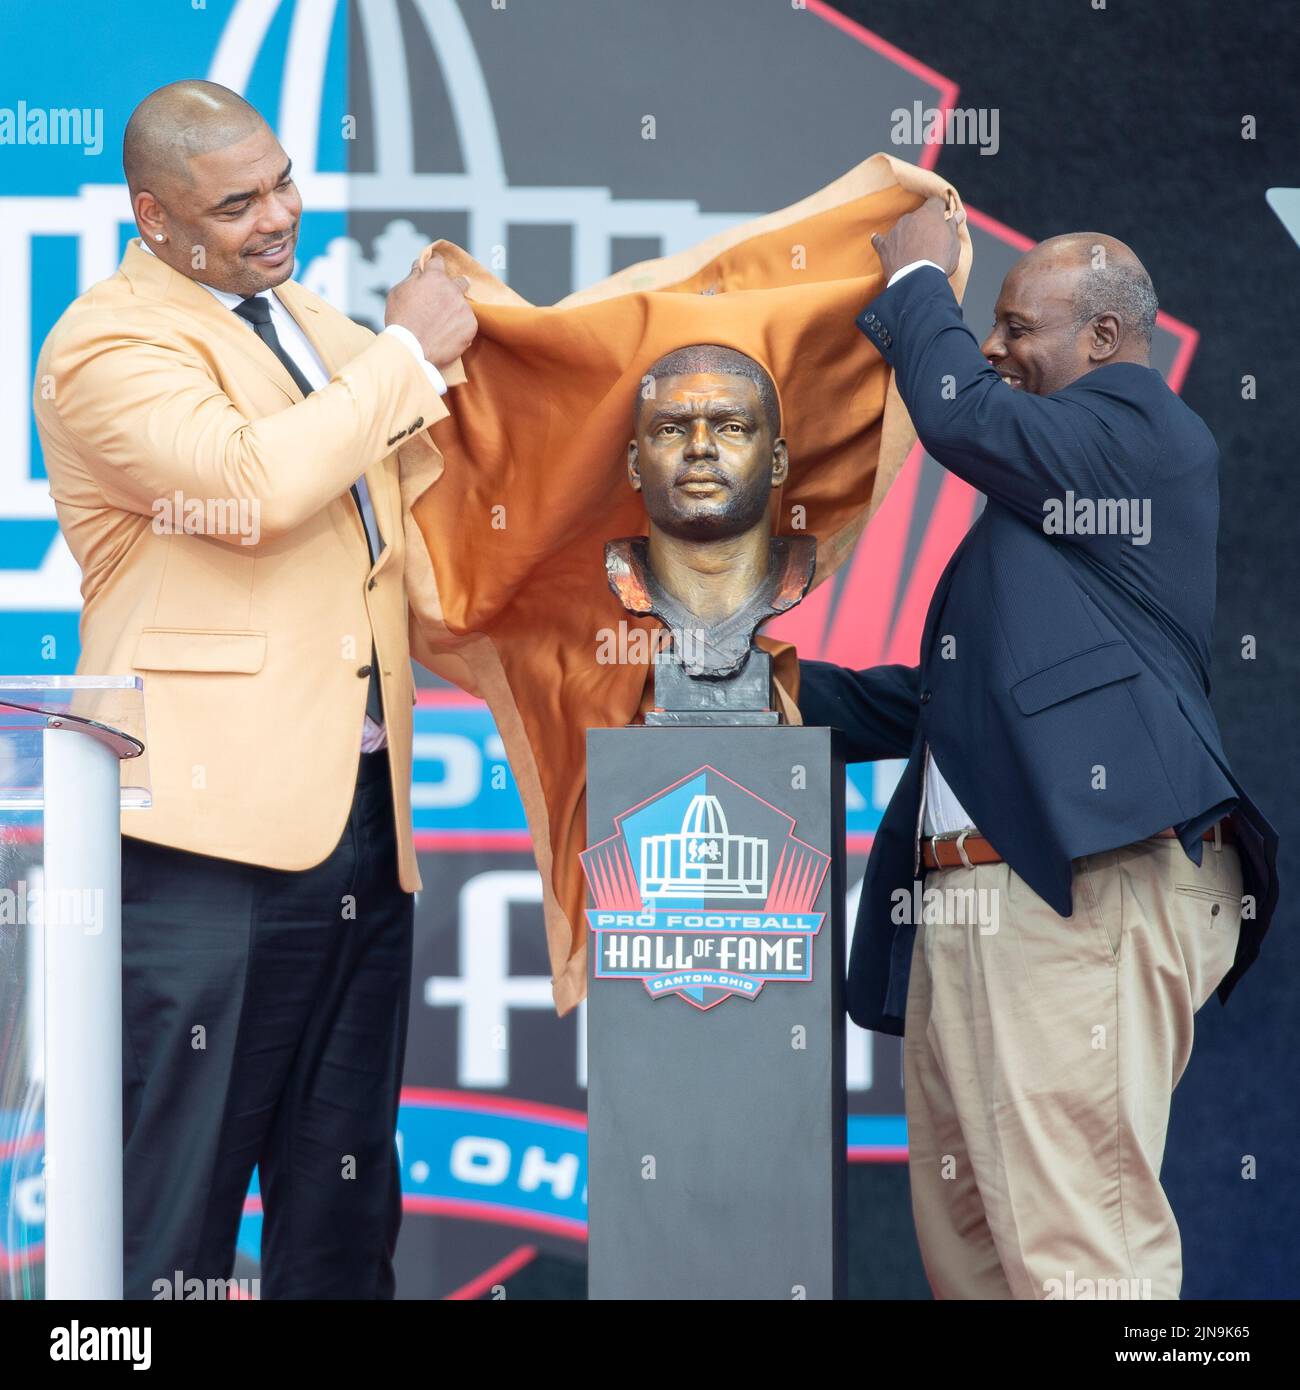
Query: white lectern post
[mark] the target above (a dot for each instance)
(62, 743)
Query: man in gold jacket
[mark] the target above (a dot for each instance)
(222, 449)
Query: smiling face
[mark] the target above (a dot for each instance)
(704, 457)
(1036, 344)
(239, 204)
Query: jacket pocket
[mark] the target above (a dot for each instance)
(200, 649)
(1086, 670)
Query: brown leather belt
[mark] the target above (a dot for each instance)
(963, 849)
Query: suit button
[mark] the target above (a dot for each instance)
(925, 697)
(363, 671)
(372, 584)
(417, 425)
(870, 318)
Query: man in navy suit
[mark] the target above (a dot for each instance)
(1068, 868)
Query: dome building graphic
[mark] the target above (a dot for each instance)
(703, 859)
(384, 176)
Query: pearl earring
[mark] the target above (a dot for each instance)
(158, 236)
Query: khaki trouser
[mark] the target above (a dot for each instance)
(1039, 1057)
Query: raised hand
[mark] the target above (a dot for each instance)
(432, 305)
(928, 234)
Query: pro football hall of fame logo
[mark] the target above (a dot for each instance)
(704, 891)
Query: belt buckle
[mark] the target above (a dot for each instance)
(959, 838)
(961, 847)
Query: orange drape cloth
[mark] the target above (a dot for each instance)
(509, 502)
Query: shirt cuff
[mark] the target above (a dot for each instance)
(907, 269)
(404, 335)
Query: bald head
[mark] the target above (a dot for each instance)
(1072, 304)
(212, 189)
(1107, 275)
(177, 122)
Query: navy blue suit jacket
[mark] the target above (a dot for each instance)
(1050, 660)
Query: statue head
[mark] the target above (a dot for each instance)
(706, 450)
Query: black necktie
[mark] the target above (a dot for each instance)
(258, 312)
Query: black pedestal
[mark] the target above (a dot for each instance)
(715, 1022)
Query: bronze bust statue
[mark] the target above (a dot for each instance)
(706, 455)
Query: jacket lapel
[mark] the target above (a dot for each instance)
(381, 477)
(152, 278)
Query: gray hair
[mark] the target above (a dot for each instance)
(1121, 288)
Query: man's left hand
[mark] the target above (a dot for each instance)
(928, 234)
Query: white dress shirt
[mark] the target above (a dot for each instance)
(305, 358)
(941, 813)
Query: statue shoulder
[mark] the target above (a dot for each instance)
(628, 575)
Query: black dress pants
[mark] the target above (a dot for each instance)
(264, 1023)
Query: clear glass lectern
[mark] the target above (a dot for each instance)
(72, 754)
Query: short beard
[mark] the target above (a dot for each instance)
(736, 516)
